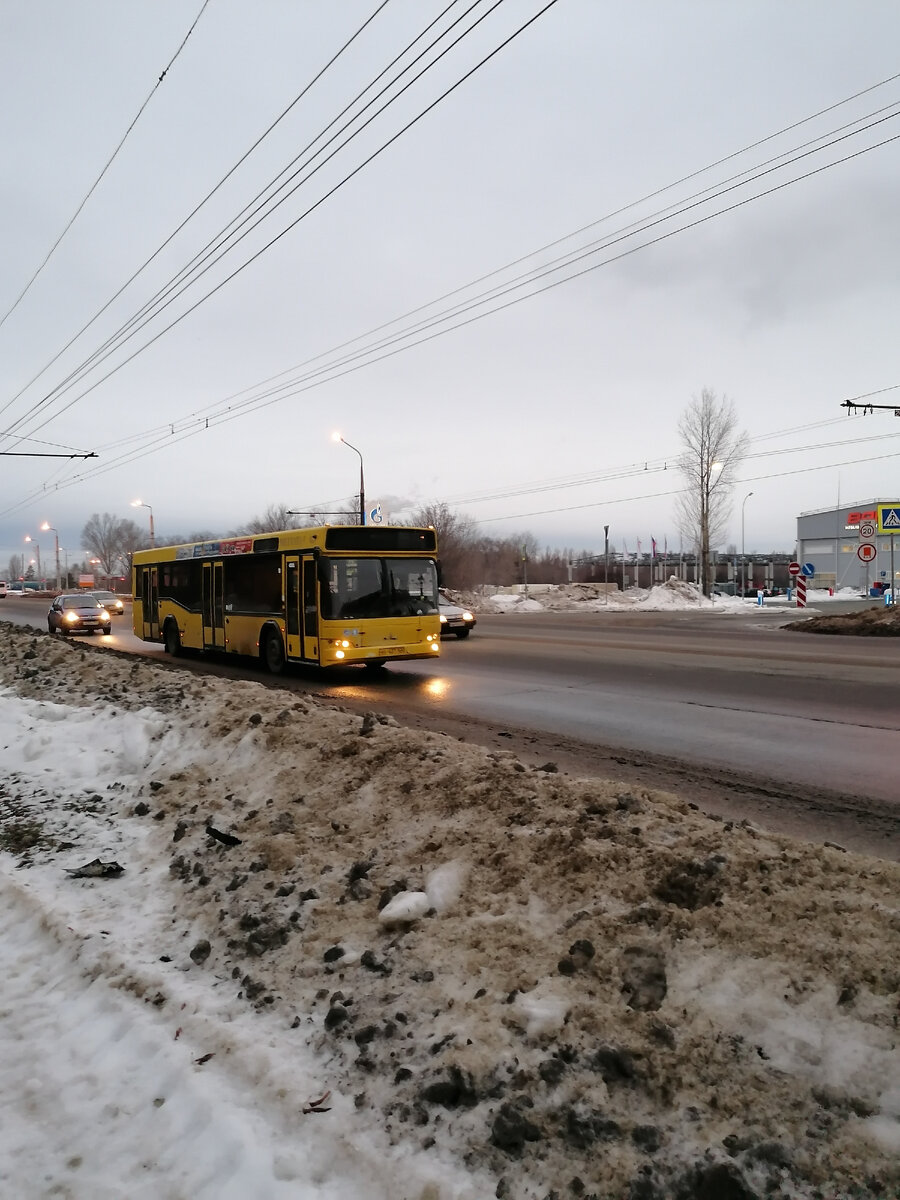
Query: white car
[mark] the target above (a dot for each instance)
(4, 588)
(455, 620)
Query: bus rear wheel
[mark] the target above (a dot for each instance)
(172, 639)
(273, 654)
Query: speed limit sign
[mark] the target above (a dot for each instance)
(866, 531)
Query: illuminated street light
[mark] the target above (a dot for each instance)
(362, 485)
(47, 526)
(743, 560)
(37, 551)
(141, 504)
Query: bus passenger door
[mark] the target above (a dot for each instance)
(292, 622)
(213, 607)
(310, 609)
(150, 604)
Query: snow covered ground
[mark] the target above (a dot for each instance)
(345, 960)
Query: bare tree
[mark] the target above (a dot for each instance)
(712, 452)
(110, 539)
(131, 537)
(456, 538)
(276, 518)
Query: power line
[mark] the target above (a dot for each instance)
(203, 202)
(255, 403)
(607, 503)
(109, 347)
(108, 164)
(609, 216)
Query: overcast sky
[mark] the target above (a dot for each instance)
(787, 304)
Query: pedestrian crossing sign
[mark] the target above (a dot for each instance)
(889, 518)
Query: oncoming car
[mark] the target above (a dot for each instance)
(454, 619)
(110, 601)
(77, 614)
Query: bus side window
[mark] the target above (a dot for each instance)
(310, 624)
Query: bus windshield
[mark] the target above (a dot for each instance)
(357, 588)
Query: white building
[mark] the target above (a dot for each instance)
(830, 539)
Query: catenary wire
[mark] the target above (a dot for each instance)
(550, 269)
(79, 373)
(331, 370)
(257, 405)
(168, 293)
(201, 204)
(575, 233)
(21, 296)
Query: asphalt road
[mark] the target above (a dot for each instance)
(797, 732)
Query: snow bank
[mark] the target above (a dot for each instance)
(595, 990)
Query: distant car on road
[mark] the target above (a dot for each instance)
(78, 614)
(455, 620)
(110, 601)
(4, 589)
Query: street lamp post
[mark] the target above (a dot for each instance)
(743, 559)
(47, 527)
(37, 551)
(362, 483)
(141, 504)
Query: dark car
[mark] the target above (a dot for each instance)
(455, 620)
(111, 602)
(78, 614)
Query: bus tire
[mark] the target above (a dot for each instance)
(375, 665)
(172, 638)
(273, 653)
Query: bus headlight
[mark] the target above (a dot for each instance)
(436, 646)
(338, 654)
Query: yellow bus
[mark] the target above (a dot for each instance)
(325, 596)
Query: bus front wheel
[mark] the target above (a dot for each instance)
(273, 654)
(172, 639)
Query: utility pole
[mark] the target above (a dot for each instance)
(606, 566)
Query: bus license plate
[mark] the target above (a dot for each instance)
(386, 651)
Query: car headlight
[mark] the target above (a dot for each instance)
(104, 615)
(443, 619)
(71, 617)
(467, 616)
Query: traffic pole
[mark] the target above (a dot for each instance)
(801, 592)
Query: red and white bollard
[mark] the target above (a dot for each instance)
(801, 591)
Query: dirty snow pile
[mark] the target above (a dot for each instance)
(317, 955)
(672, 595)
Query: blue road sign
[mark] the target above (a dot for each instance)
(807, 569)
(889, 518)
